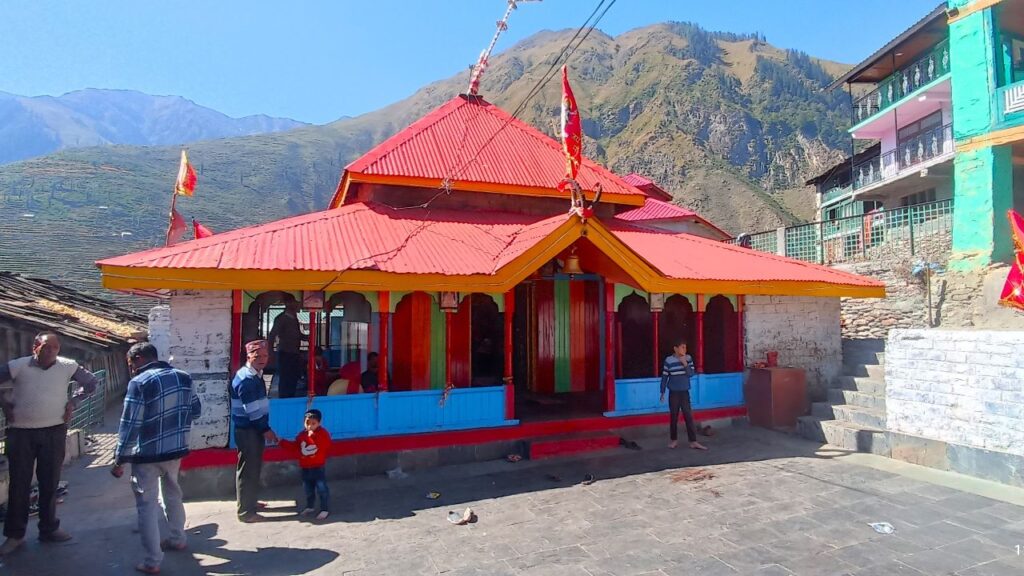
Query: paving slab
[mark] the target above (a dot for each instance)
(767, 503)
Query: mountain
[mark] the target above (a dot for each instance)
(727, 123)
(31, 127)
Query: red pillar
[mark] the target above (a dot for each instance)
(700, 334)
(610, 346)
(236, 330)
(654, 322)
(448, 350)
(510, 390)
(739, 333)
(383, 314)
(311, 368)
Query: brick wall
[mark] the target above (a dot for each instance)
(960, 387)
(803, 330)
(194, 333)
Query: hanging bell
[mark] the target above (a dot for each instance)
(572, 264)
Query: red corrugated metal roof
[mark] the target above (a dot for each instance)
(369, 236)
(469, 139)
(655, 210)
(688, 257)
(652, 189)
(363, 236)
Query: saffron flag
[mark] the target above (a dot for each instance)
(572, 133)
(185, 185)
(176, 229)
(1013, 290)
(199, 230)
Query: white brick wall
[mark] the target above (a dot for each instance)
(194, 334)
(958, 386)
(804, 331)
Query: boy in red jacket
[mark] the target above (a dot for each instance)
(313, 445)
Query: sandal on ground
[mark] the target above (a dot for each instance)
(171, 546)
(147, 569)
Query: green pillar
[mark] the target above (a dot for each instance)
(982, 177)
(983, 192)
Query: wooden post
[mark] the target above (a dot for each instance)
(739, 333)
(236, 331)
(700, 334)
(611, 363)
(448, 350)
(510, 391)
(311, 368)
(384, 313)
(654, 322)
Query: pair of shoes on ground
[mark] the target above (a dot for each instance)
(321, 516)
(164, 545)
(12, 544)
(694, 445)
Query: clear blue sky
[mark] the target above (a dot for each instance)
(317, 60)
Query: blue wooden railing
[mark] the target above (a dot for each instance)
(367, 415)
(641, 395)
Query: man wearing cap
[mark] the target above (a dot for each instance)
(250, 414)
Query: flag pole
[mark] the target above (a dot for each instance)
(170, 219)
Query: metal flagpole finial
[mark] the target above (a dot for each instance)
(481, 63)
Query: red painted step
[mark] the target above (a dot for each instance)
(574, 444)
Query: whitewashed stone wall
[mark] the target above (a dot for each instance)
(194, 334)
(958, 386)
(804, 331)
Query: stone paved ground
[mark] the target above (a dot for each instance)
(773, 506)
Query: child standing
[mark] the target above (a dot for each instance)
(675, 376)
(313, 445)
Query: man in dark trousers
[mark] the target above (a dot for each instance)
(288, 336)
(675, 377)
(38, 409)
(250, 415)
(159, 408)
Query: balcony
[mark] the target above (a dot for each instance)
(1010, 105)
(903, 83)
(923, 150)
(837, 193)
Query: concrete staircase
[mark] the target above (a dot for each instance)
(853, 418)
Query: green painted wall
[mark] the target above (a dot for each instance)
(438, 357)
(983, 181)
(973, 55)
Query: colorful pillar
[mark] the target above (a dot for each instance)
(699, 360)
(610, 346)
(448, 350)
(982, 173)
(236, 330)
(384, 313)
(739, 333)
(311, 366)
(510, 389)
(655, 316)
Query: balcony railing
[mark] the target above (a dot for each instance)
(911, 230)
(1010, 103)
(836, 193)
(903, 83)
(909, 153)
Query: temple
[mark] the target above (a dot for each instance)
(493, 309)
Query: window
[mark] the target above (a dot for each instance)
(923, 125)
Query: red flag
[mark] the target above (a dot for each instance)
(185, 185)
(572, 133)
(1013, 290)
(199, 230)
(176, 229)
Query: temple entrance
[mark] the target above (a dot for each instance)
(559, 347)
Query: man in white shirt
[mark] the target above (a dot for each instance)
(37, 407)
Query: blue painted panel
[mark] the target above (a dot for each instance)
(367, 415)
(641, 395)
(718, 390)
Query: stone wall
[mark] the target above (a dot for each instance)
(955, 400)
(194, 333)
(803, 330)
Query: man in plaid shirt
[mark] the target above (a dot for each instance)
(159, 409)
